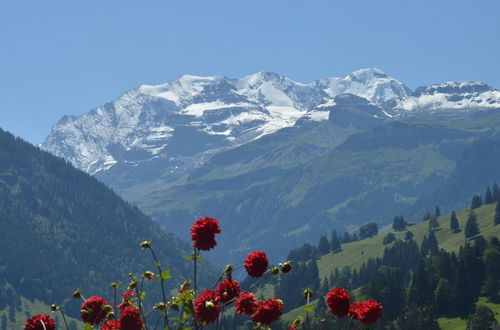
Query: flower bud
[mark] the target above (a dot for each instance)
(185, 286)
(160, 306)
(174, 305)
(114, 285)
(110, 316)
(54, 307)
(286, 267)
(132, 285)
(77, 294)
(275, 270)
(145, 244)
(307, 294)
(149, 275)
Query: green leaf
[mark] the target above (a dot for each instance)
(158, 264)
(308, 308)
(87, 326)
(165, 275)
(142, 295)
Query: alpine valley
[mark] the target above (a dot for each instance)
(280, 162)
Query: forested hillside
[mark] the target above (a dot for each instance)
(429, 275)
(62, 229)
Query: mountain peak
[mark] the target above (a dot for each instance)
(363, 75)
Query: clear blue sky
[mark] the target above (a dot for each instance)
(62, 57)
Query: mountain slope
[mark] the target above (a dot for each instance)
(63, 229)
(371, 176)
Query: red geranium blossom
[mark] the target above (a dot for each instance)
(207, 306)
(337, 301)
(35, 323)
(268, 311)
(91, 311)
(203, 233)
(246, 303)
(367, 312)
(130, 319)
(111, 325)
(256, 263)
(228, 290)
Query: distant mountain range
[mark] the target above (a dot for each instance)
(180, 124)
(280, 162)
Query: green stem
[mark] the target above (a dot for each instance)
(158, 265)
(195, 259)
(64, 318)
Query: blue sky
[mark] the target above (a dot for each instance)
(61, 57)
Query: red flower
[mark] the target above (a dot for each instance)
(268, 311)
(203, 233)
(127, 296)
(40, 322)
(206, 306)
(246, 303)
(337, 301)
(111, 325)
(256, 263)
(130, 319)
(91, 311)
(228, 290)
(367, 312)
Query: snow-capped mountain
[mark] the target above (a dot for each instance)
(182, 122)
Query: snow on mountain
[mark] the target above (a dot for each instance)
(184, 121)
(451, 96)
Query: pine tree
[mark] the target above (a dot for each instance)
(368, 230)
(463, 301)
(389, 238)
(442, 297)
(495, 192)
(335, 242)
(346, 238)
(496, 219)
(491, 287)
(476, 202)
(432, 244)
(399, 223)
(454, 226)
(482, 318)
(433, 223)
(323, 245)
(437, 211)
(408, 236)
(471, 228)
(488, 196)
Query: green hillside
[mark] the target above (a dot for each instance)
(355, 253)
(62, 229)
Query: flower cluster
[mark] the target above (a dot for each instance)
(201, 308)
(366, 312)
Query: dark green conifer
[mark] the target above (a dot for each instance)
(399, 223)
(323, 245)
(488, 196)
(482, 318)
(437, 211)
(496, 218)
(335, 242)
(454, 226)
(476, 202)
(471, 228)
